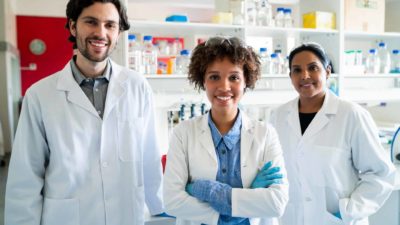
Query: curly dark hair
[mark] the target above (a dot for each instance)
(218, 48)
(75, 8)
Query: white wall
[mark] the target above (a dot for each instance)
(52, 8)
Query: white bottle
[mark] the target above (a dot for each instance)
(237, 10)
(149, 56)
(281, 61)
(372, 63)
(264, 13)
(182, 62)
(287, 18)
(384, 57)
(265, 61)
(134, 54)
(251, 12)
(275, 65)
(279, 17)
(395, 61)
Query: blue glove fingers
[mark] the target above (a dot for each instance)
(273, 176)
(189, 189)
(337, 214)
(266, 166)
(164, 215)
(271, 171)
(268, 183)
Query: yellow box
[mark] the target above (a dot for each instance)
(319, 20)
(364, 15)
(222, 18)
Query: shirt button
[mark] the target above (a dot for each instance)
(223, 152)
(99, 112)
(105, 164)
(87, 80)
(96, 89)
(224, 170)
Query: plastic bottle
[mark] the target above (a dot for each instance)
(149, 56)
(275, 65)
(287, 18)
(372, 62)
(134, 54)
(279, 17)
(237, 9)
(264, 13)
(281, 61)
(395, 61)
(251, 12)
(358, 61)
(384, 57)
(182, 62)
(265, 61)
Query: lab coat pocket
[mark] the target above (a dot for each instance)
(60, 211)
(130, 139)
(329, 165)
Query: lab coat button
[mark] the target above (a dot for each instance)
(105, 164)
(223, 170)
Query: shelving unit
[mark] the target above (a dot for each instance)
(271, 89)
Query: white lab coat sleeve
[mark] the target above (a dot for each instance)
(152, 167)
(177, 201)
(30, 153)
(376, 172)
(264, 202)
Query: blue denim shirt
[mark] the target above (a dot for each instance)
(227, 148)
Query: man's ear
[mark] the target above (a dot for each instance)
(72, 27)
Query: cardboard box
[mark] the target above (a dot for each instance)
(364, 15)
(319, 20)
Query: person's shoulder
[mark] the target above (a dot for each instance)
(44, 85)
(191, 124)
(351, 109)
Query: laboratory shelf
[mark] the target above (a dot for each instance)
(371, 97)
(286, 32)
(363, 76)
(369, 35)
(183, 28)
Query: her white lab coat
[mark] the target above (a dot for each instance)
(70, 167)
(192, 156)
(338, 164)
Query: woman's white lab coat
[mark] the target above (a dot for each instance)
(192, 156)
(70, 167)
(337, 165)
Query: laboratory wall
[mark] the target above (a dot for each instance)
(51, 32)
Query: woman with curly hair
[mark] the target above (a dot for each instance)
(223, 167)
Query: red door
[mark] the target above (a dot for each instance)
(50, 49)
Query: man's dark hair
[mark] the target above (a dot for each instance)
(75, 8)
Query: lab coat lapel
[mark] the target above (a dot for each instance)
(75, 95)
(116, 88)
(293, 118)
(246, 138)
(205, 138)
(322, 118)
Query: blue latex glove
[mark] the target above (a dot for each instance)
(218, 195)
(164, 215)
(267, 176)
(337, 214)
